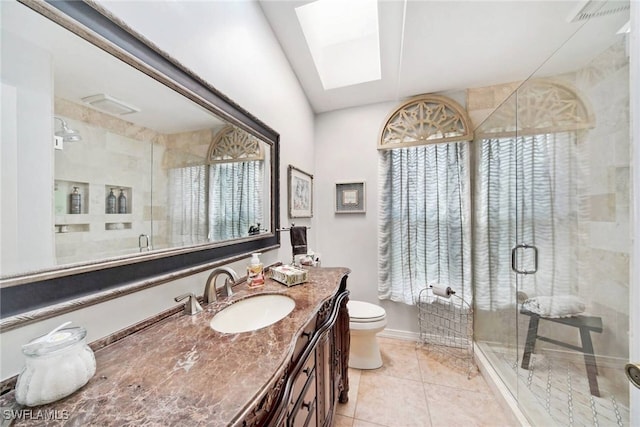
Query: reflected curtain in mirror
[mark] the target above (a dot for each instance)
(223, 198)
(236, 199)
(188, 205)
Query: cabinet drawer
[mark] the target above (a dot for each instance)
(305, 408)
(306, 375)
(303, 339)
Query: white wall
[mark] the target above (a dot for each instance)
(27, 105)
(346, 150)
(230, 45)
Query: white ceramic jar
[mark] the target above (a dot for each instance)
(56, 365)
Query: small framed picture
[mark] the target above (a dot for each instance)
(300, 198)
(350, 197)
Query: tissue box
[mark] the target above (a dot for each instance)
(288, 275)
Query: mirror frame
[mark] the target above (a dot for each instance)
(29, 297)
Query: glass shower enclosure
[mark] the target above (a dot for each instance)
(552, 238)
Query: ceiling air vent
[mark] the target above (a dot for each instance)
(595, 8)
(109, 104)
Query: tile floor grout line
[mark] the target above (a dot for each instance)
(355, 405)
(424, 389)
(400, 364)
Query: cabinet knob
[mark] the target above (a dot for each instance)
(307, 405)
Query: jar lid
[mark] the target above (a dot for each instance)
(51, 342)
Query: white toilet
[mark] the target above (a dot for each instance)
(365, 321)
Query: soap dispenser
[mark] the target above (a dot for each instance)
(255, 273)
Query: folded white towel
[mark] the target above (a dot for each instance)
(555, 306)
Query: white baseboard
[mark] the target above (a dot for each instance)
(399, 335)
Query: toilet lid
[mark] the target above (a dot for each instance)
(360, 311)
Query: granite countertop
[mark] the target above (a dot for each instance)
(179, 371)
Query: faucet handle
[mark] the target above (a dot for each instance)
(192, 306)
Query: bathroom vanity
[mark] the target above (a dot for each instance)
(180, 371)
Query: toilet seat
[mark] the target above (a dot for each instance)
(365, 321)
(364, 312)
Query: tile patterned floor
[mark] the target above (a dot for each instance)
(413, 388)
(561, 389)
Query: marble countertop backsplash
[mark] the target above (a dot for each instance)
(179, 371)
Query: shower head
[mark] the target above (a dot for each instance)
(67, 134)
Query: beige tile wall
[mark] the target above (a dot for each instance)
(120, 153)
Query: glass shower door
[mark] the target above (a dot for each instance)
(571, 276)
(552, 232)
(495, 234)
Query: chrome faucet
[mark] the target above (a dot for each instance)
(210, 294)
(192, 306)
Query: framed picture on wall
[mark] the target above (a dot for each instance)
(350, 197)
(300, 198)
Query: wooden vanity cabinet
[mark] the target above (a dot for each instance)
(317, 376)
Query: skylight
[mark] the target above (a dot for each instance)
(343, 39)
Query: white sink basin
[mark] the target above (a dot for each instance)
(252, 313)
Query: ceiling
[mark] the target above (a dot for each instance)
(443, 46)
(81, 69)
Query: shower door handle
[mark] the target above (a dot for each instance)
(514, 253)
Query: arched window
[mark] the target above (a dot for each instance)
(236, 174)
(424, 120)
(234, 145)
(542, 106)
(530, 174)
(424, 211)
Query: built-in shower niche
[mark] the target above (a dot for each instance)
(118, 200)
(117, 191)
(110, 226)
(68, 218)
(62, 197)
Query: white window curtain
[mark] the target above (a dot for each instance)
(236, 201)
(424, 220)
(526, 192)
(188, 205)
(215, 202)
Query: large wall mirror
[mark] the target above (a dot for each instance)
(118, 163)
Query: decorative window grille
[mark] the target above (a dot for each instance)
(234, 145)
(543, 106)
(425, 119)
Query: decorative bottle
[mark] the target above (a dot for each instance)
(255, 273)
(122, 202)
(111, 203)
(76, 201)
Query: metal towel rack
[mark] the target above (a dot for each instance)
(287, 229)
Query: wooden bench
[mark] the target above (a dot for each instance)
(585, 324)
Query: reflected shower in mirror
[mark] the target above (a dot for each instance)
(67, 134)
